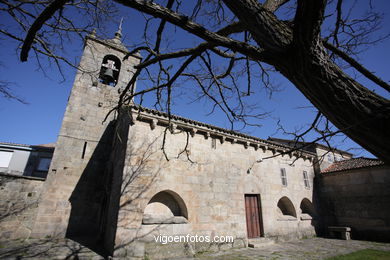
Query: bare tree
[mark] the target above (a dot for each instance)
(6, 92)
(307, 44)
(57, 28)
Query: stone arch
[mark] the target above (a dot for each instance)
(287, 207)
(165, 207)
(307, 207)
(109, 70)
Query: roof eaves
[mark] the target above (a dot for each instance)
(214, 129)
(15, 145)
(305, 144)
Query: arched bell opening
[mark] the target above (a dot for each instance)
(109, 70)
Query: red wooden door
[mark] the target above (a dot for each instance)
(252, 209)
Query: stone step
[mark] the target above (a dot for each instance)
(260, 242)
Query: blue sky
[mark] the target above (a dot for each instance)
(39, 121)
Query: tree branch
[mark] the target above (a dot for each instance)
(46, 14)
(184, 23)
(356, 65)
(273, 5)
(307, 22)
(235, 27)
(338, 21)
(267, 30)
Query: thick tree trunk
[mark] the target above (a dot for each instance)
(361, 114)
(300, 56)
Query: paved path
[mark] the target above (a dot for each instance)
(314, 248)
(45, 249)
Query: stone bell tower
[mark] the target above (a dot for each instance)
(76, 191)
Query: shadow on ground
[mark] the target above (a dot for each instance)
(313, 248)
(45, 249)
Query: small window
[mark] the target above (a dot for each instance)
(306, 180)
(44, 164)
(214, 143)
(330, 158)
(84, 149)
(5, 158)
(283, 176)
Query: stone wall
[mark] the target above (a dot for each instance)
(212, 183)
(359, 199)
(18, 205)
(107, 168)
(76, 191)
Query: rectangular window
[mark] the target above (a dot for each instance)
(44, 164)
(283, 176)
(214, 143)
(84, 149)
(306, 180)
(5, 158)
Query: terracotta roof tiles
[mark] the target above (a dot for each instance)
(355, 163)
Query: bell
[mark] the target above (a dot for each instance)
(108, 76)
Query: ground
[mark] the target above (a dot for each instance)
(313, 248)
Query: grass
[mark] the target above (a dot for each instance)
(366, 254)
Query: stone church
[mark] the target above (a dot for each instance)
(113, 188)
(111, 185)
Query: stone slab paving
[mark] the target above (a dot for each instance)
(55, 249)
(313, 248)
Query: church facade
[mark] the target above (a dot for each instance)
(134, 182)
(120, 179)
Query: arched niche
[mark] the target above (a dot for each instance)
(165, 207)
(307, 208)
(286, 207)
(109, 70)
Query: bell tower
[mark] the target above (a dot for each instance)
(75, 195)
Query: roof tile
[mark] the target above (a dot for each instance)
(355, 163)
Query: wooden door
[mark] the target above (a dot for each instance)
(253, 217)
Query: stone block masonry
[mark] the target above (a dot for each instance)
(18, 205)
(110, 185)
(360, 199)
(208, 192)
